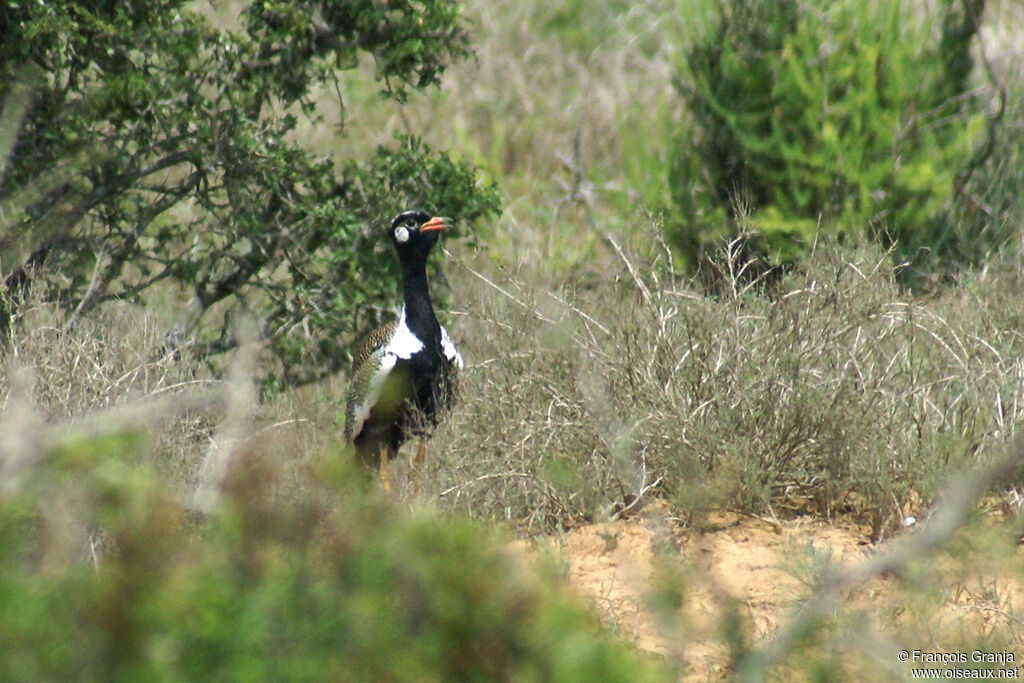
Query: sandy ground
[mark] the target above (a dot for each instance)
(755, 565)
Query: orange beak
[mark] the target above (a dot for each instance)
(435, 223)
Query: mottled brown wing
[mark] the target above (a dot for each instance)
(373, 341)
(362, 375)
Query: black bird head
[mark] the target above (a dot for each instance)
(416, 232)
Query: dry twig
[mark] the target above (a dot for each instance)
(958, 501)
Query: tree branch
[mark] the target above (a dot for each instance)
(957, 502)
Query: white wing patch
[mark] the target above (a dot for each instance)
(403, 342)
(362, 410)
(449, 350)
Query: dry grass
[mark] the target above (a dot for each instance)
(836, 394)
(61, 369)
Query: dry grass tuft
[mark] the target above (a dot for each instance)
(71, 367)
(836, 394)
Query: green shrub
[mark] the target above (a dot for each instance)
(101, 578)
(158, 150)
(843, 116)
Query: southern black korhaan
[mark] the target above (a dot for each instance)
(404, 373)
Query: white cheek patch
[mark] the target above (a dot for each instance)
(403, 342)
(402, 235)
(449, 350)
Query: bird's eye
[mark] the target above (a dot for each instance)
(402, 235)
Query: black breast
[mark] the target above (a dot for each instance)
(430, 389)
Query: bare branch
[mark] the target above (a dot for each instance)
(957, 502)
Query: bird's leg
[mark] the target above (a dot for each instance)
(385, 475)
(417, 465)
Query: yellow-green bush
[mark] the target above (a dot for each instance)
(842, 116)
(326, 582)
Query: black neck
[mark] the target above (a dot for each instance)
(419, 312)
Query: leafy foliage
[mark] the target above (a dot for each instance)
(161, 148)
(848, 116)
(325, 582)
